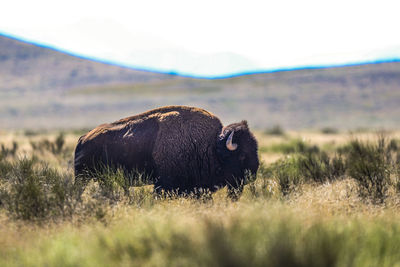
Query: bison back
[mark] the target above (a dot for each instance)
(127, 146)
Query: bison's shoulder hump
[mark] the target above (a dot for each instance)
(99, 130)
(169, 115)
(164, 112)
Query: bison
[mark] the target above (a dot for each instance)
(182, 148)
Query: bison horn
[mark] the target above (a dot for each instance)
(229, 144)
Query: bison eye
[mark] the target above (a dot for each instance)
(242, 158)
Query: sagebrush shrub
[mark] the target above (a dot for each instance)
(309, 166)
(371, 166)
(319, 167)
(329, 130)
(263, 186)
(6, 151)
(34, 191)
(275, 130)
(56, 147)
(287, 174)
(112, 182)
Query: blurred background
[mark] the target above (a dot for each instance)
(299, 65)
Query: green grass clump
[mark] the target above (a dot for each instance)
(112, 183)
(288, 175)
(262, 187)
(275, 130)
(6, 151)
(33, 191)
(329, 130)
(319, 167)
(115, 182)
(55, 147)
(5, 167)
(308, 167)
(373, 165)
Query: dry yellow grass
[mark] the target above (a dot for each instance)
(326, 224)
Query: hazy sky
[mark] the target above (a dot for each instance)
(211, 37)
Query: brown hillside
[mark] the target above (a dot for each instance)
(24, 66)
(44, 88)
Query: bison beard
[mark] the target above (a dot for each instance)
(183, 148)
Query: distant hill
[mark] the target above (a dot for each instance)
(44, 88)
(26, 67)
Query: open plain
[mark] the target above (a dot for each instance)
(308, 206)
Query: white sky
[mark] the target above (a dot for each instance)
(194, 37)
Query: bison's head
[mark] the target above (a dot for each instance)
(237, 153)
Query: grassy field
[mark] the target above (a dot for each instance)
(320, 198)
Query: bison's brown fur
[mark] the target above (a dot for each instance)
(183, 148)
